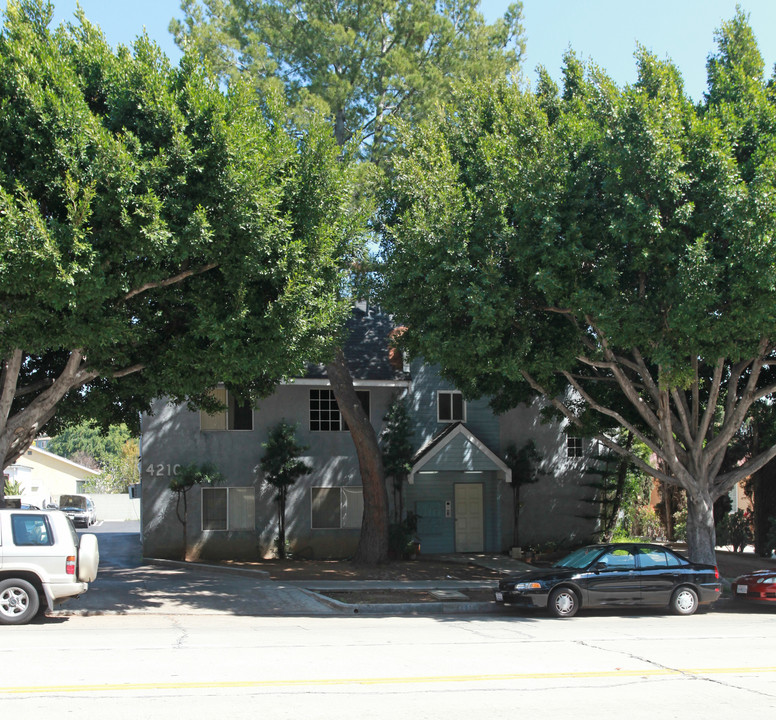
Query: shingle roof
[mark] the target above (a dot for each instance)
(368, 347)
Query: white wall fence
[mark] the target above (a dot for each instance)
(116, 507)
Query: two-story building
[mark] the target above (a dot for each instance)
(460, 487)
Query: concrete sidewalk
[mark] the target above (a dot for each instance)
(173, 587)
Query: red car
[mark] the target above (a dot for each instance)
(759, 586)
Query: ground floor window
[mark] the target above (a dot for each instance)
(335, 508)
(231, 508)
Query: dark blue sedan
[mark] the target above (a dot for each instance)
(614, 575)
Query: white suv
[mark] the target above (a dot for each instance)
(43, 562)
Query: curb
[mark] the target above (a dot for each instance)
(425, 608)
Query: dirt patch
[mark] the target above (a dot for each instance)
(345, 570)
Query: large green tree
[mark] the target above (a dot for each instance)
(369, 65)
(157, 235)
(86, 439)
(619, 243)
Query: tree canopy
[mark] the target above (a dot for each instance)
(158, 235)
(369, 66)
(611, 249)
(87, 439)
(365, 64)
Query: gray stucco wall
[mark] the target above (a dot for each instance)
(172, 436)
(557, 508)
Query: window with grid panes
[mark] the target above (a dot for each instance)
(325, 415)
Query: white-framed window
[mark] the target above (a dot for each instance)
(574, 446)
(231, 508)
(336, 508)
(450, 406)
(325, 415)
(236, 416)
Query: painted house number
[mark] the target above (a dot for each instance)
(162, 470)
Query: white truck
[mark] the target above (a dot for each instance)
(43, 562)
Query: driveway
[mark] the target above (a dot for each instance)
(127, 585)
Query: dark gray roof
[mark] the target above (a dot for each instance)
(367, 349)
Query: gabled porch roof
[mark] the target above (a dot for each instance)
(459, 446)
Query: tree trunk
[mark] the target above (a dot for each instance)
(282, 524)
(701, 534)
(373, 543)
(516, 511)
(185, 526)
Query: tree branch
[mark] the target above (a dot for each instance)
(9, 377)
(619, 419)
(170, 281)
(724, 483)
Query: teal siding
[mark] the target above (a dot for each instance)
(427, 498)
(460, 455)
(480, 419)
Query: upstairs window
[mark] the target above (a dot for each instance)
(574, 448)
(450, 406)
(237, 415)
(325, 415)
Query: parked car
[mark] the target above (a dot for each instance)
(757, 587)
(43, 562)
(79, 508)
(614, 575)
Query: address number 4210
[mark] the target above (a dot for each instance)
(162, 470)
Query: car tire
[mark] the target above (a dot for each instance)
(88, 558)
(563, 602)
(684, 601)
(19, 602)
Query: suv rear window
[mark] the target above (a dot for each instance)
(31, 529)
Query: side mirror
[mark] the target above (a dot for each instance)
(599, 566)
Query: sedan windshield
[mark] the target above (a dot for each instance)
(580, 558)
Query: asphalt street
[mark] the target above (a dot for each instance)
(608, 665)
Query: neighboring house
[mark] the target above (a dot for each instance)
(459, 485)
(44, 476)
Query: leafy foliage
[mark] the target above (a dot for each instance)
(282, 467)
(88, 438)
(119, 471)
(156, 235)
(397, 450)
(616, 241)
(368, 65)
(12, 487)
(735, 529)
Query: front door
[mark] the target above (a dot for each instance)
(469, 535)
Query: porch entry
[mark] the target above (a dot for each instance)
(469, 536)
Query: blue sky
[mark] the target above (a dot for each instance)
(605, 31)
